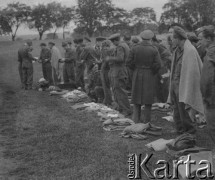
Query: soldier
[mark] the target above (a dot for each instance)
(80, 66)
(162, 78)
(69, 66)
(45, 59)
(55, 57)
(105, 68)
(118, 74)
(127, 40)
(184, 91)
(144, 59)
(27, 67)
(20, 65)
(208, 80)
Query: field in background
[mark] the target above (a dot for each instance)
(42, 138)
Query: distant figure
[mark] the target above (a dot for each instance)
(118, 74)
(45, 59)
(55, 57)
(69, 64)
(20, 65)
(184, 91)
(26, 58)
(144, 59)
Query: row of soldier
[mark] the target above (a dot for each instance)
(115, 67)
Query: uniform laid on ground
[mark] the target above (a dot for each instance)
(118, 75)
(145, 61)
(45, 58)
(26, 67)
(184, 91)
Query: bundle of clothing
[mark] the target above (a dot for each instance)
(76, 96)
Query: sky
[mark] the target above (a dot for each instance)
(126, 4)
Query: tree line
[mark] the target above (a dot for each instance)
(89, 16)
(100, 16)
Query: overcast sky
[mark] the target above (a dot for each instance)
(126, 4)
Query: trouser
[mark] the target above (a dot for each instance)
(69, 73)
(183, 122)
(27, 73)
(130, 76)
(106, 87)
(55, 76)
(80, 76)
(20, 74)
(118, 84)
(137, 113)
(47, 72)
(210, 117)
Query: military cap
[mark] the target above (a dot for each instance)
(100, 38)
(127, 37)
(87, 39)
(106, 43)
(114, 36)
(192, 37)
(42, 44)
(147, 35)
(29, 42)
(135, 39)
(52, 43)
(180, 31)
(64, 44)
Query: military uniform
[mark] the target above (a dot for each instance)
(45, 57)
(20, 66)
(145, 61)
(208, 89)
(162, 89)
(69, 66)
(80, 66)
(118, 77)
(105, 68)
(27, 67)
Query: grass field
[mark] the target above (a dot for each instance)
(43, 138)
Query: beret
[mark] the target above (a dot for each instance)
(42, 44)
(179, 31)
(147, 34)
(51, 43)
(64, 44)
(100, 38)
(114, 36)
(87, 39)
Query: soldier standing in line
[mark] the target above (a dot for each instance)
(118, 74)
(105, 68)
(27, 67)
(69, 66)
(45, 59)
(144, 59)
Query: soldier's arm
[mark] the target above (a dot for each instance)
(130, 62)
(120, 54)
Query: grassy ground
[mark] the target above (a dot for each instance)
(42, 138)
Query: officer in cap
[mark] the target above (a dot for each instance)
(118, 74)
(69, 64)
(144, 59)
(26, 58)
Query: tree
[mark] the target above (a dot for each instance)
(41, 19)
(13, 16)
(90, 13)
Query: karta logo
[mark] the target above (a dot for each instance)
(184, 166)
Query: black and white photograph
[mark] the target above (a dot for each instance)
(107, 89)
